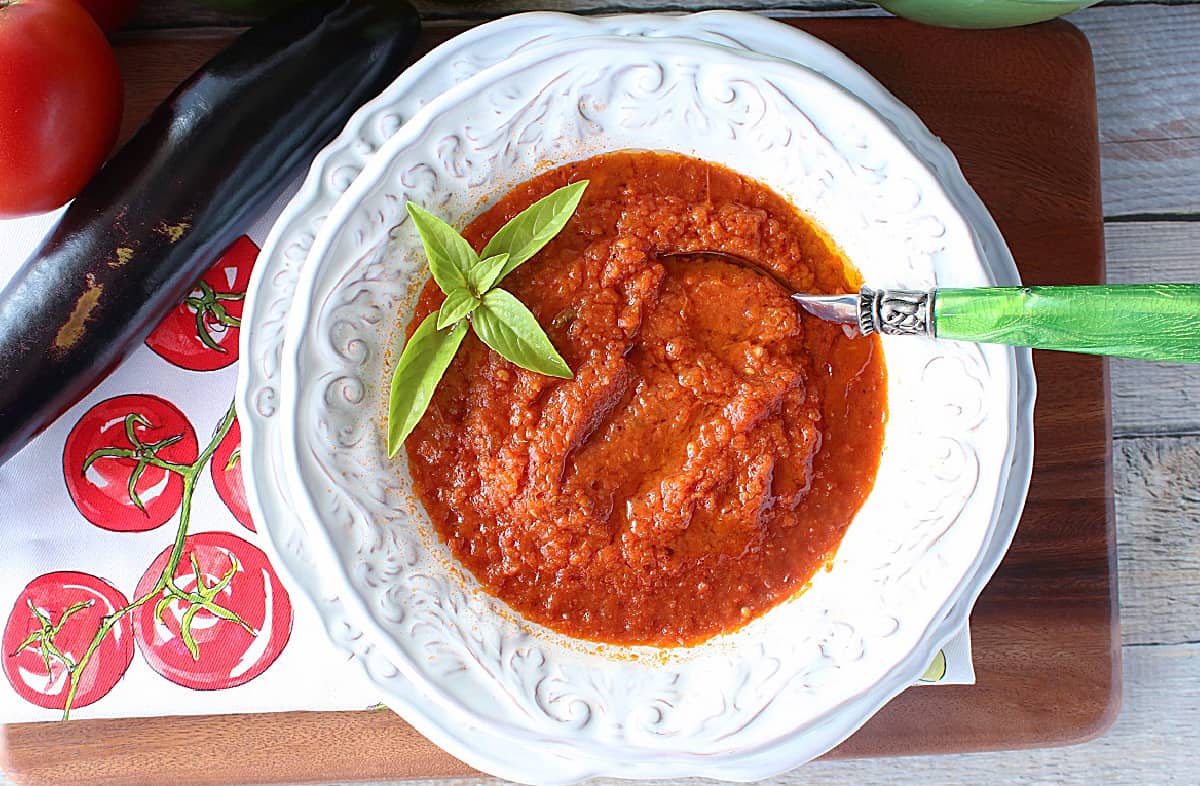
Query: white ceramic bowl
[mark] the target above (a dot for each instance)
(804, 676)
(460, 58)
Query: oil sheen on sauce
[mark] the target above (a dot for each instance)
(714, 444)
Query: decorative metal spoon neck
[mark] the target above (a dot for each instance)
(896, 312)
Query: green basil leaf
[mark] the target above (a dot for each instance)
(534, 227)
(504, 324)
(424, 360)
(483, 274)
(449, 255)
(457, 305)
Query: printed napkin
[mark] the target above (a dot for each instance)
(97, 623)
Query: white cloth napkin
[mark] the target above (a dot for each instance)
(45, 530)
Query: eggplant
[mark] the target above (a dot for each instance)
(192, 179)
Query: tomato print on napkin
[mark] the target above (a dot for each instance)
(103, 616)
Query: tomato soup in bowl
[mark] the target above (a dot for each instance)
(714, 443)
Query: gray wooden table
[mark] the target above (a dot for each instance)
(1148, 79)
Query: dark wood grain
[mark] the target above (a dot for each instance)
(215, 750)
(1018, 109)
(157, 14)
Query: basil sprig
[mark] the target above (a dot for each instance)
(470, 281)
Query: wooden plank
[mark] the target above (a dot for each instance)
(162, 14)
(1148, 85)
(1153, 742)
(1154, 398)
(285, 747)
(1158, 510)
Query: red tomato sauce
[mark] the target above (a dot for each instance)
(714, 444)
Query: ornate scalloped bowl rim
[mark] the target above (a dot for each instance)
(289, 397)
(794, 42)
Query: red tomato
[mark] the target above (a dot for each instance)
(60, 103)
(111, 15)
(227, 476)
(118, 489)
(236, 637)
(51, 626)
(201, 333)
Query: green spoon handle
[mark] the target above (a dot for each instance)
(1146, 321)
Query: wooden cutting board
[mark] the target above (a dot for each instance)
(1018, 108)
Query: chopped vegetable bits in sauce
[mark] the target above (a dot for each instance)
(714, 443)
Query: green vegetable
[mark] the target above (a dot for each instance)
(458, 304)
(486, 272)
(449, 255)
(535, 226)
(498, 318)
(426, 357)
(982, 13)
(504, 324)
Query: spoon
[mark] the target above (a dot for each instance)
(1144, 321)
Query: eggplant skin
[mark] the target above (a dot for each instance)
(193, 178)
